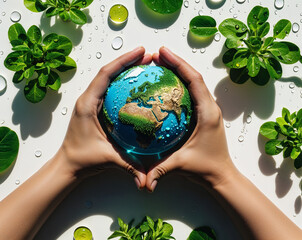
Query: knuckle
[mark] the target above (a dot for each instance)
(130, 169)
(104, 70)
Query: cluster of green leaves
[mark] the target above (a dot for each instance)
(34, 62)
(285, 135)
(260, 59)
(9, 147)
(67, 10)
(164, 7)
(203, 26)
(146, 230)
(157, 230)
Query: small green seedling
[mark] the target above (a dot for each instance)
(34, 61)
(202, 233)
(9, 147)
(260, 58)
(66, 9)
(164, 7)
(285, 135)
(203, 26)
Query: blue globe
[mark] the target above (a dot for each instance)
(147, 110)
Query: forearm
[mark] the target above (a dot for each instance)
(256, 216)
(25, 210)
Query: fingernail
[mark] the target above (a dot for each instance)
(138, 183)
(153, 185)
(135, 49)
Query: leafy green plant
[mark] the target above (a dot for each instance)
(202, 233)
(285, 135)
(203, 26)
(9, 147)
(260, 58)
(34, 61)
(66, 9)
(146, 230)
(164, 7)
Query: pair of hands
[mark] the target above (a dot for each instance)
(204, 158)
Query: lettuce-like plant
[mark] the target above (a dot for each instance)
(34, 61)
(260, 58)
(67, 10)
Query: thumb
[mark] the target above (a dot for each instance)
(160, 170)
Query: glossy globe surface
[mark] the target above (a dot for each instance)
(147, 110)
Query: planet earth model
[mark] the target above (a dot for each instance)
(147, 110)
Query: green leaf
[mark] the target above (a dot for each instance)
(65, 16)
(273, 147)
(286, 115)
(34, 34)
(295, 153)
(55, 59)
(53, 11)
(16, 34)
(37, 51)
(278, 49)
(118, 234)
(15, 61)
(58, 43)
(9, 147)
(233, 28)
(34, 92)
(203, 26)
(164, 7)
(268, 42)
(254, 44)
(67, 65)
(287, 151)
(269, 131)
(64, 3)
(292, 56)
(203, 233)
(253, 65)
(240, 75)
(18, 77)
(232, 43)
(77, 16)
(167, 229)
(35, 5)
(256, 17)
(262, 78)
(240, 58)
(81, 3)
(28, 73)
(42, 79)
(263, 30)
(21, 48)
(298, 162)
(282, 29)
(273, 67)
(150, 222)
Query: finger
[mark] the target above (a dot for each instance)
(198, 89)
(158, 61)
(146, 60)
(168, 165)
(100, 83)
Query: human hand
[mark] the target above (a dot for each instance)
(86, 149)
(204, 158)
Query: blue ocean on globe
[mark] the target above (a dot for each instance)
(147, 110)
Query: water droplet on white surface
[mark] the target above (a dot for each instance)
(96, 27)
(3, 13)
(202, 50)
(197, 1)
(296, 27)
(155, 30)
(2, 122)
(17, 182)
(194, 50)
(89, 56)
(186, 4)
(240, 1)
(200, 12)
(38, 153)
(2, 83)
(227, 124)
(1, 52)
(241, 138)
(279, 4)
(231, 10)
(296, 69)
(249, 119)
(64, 111)
(235, 16)
(167, 30)
(291, 85)
(98, 55)
(89, 39)
(292, 91)
(117, 43)
(217, 37)
(15, 16)
(102, 8)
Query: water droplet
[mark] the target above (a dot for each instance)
(3, 84)
(240, 1)
(186, 4)
(156, 30)
(296, 27)
(15, 16)
(117, 43)
(200, 12)
(279, 4)
(3, 13)
(64, 110)
(235, 16)
(38, 153)
(1, 52)
(89, 56)
(227, 124)
(194, 50)
(89, 39)
(291, 85)
(197, 1)
(167, 30)
(231, 10)
(98, 55)
(241, 138)
(296, 69)
(88, 204)
(102, 8)
(2, 122)
(217, 37)
(202, 50)
(236, 27)
(249, 119)
(17, 182)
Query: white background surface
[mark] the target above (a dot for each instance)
(113, 194)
